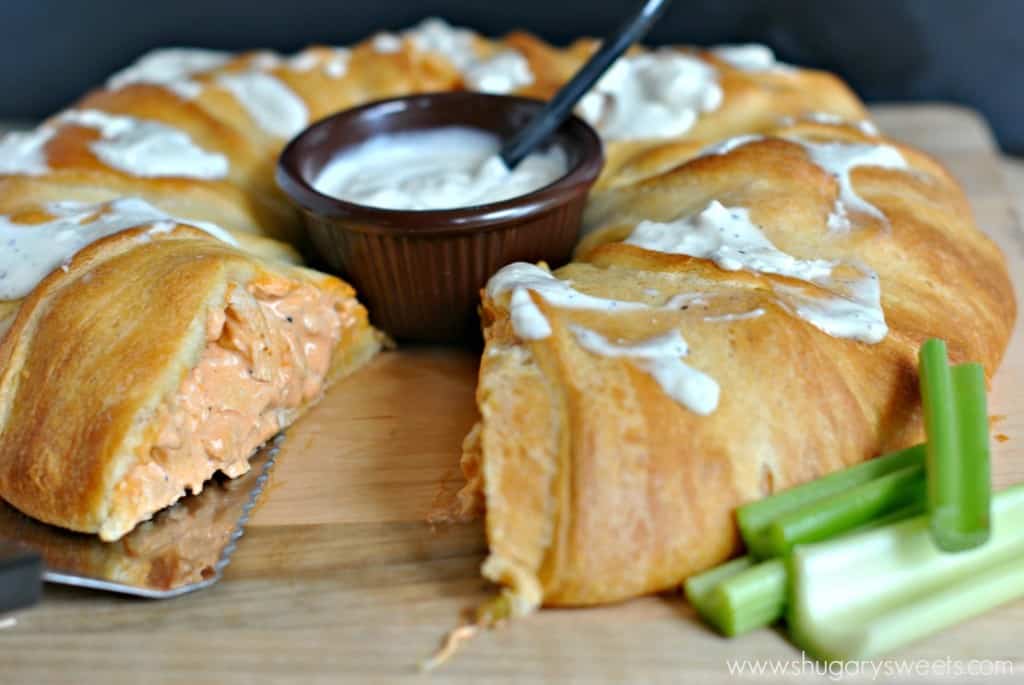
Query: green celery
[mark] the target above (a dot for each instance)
(970, 528)
(954, 499)
(739, 596)
(753, 598)
(698, 588)
(846, 511)
(755, 518)
(909, 511)
(866, 594)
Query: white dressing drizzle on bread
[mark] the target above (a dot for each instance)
(503, 72)
(272, 105)
(171, 68)
(727, 237)
(528, 320)
(838, 159)
(661, 357)
(24, 152)
(33, 247)
(141, 147)
(750, 57)
(657, 94)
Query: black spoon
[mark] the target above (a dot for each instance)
(559, 107)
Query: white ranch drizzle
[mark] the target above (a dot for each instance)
(742, 316)
(528, 321)
(272, 105)
(661, 357)
(336, 65)
(656, 94)
(24, 152)
(751, 57)
(865, 126)
(856, 314)
(730, 144)
(386, 43)
(727, 237)
(29, 252)
(333, 61)
(147, 148)
(503, 72)
(264, 60)
(839, 159)
(685, 300)
(139, 147)
(303, 61)
(171, 68)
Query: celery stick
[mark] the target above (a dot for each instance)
(987, 589)
(752, 598)
(698, 588)
(944, 467)
(901, 514)
(863, 595)
(739, 595)
(755, 518)
(970, 526)
(846, 511)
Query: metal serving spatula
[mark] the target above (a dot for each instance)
(182, 549)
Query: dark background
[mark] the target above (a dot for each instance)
(966, 51)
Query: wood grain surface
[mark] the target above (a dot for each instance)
(339, 577)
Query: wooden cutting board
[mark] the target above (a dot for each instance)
(339, 575)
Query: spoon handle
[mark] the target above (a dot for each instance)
(558, 108)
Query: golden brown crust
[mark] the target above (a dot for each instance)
(600, 487)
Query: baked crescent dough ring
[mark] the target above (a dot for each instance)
(598, 485)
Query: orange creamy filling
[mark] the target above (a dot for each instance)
(267, 354)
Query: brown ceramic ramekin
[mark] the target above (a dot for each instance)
(420, 272)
